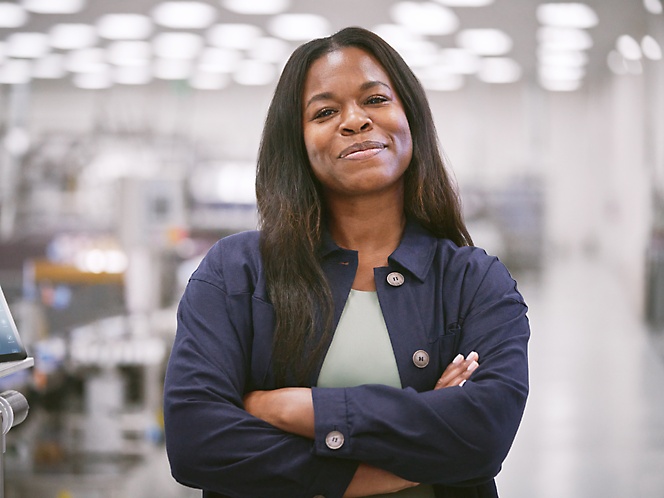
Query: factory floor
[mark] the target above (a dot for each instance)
(594, 423)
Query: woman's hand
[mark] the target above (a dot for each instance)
(290, 409)
(459, 371)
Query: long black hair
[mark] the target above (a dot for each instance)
(291, 204)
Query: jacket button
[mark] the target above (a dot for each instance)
(395, 279)
(334, 440)
(421, 358)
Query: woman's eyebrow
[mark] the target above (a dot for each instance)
(328, 95)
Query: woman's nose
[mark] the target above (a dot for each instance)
(356, 121)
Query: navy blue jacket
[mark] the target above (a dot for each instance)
(453, 300)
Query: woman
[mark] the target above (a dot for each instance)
(335, 352)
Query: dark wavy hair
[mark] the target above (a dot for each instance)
(291, 204)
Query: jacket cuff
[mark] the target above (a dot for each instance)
(333, 484)
(331, 424)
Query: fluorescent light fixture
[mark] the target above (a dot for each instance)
(616, 63)
(560, 85)
(256, 7)
(651, 48)
(93, 81)
(50, 67)
(653, 6)
(484, 41)
(269, 49)
(551, 73)
(203, 80)
(459, 61)
(31, 45)
(177, 45)
(132, 75)
(219, 60)
(299, 27)
(54, 6)
(15, 72)
(567, 58)
(69, 36)
(184, 15)
(129, 53)
(439, 79)
(499, 70)
(254, 73)
(236, 36)
(86, 60)
(629, 47)
(465, 3)
(567, 15)
(12, 15)
(172, 69)
(552, 38)
(124, 27)
(425, 18)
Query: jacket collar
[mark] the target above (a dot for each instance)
(415, 252)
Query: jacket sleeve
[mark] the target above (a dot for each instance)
(212, 442)
(452, 436)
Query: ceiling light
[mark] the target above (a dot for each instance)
(653, 6)
(423, 53)
(12, 15)
(568, 58)
(172, 69)
(15, 72)
(27, 45)
(651, 48)
(256, 7)
(129, 53)
(219, 60)
(440, 79)
(93, 81)
(184, 15)
(237, 36)
(466, 3)
(550, 73)
(299, 27)
(499, 70)
(484, 41)
(628, 47)
(253, 73)
(269, 49)
(564, 38)
(50, 67)
(177, 45)
(567, 15)
(72, 36)
(132, 75)
(54, 6)
(86, 60)
(203, 80)
(459, 61)
(425, 18)
(560, 85)
(124, 26)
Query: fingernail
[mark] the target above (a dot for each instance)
(473, 366)
(474, 355)
(462, 383)
(458, 359)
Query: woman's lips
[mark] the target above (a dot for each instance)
(362, 150)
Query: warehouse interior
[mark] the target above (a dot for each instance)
(128, 139)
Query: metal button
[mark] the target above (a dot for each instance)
(421, 358)
(334, 440)
(395, 279)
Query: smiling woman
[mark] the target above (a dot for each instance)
(336, 351)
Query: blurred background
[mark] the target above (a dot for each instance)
(128, 138)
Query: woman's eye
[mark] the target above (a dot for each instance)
(376, 99)
(323, 113)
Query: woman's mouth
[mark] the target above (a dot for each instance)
(362, 150)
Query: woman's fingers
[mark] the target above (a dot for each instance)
(458, 371)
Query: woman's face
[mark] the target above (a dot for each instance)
(355, 129)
